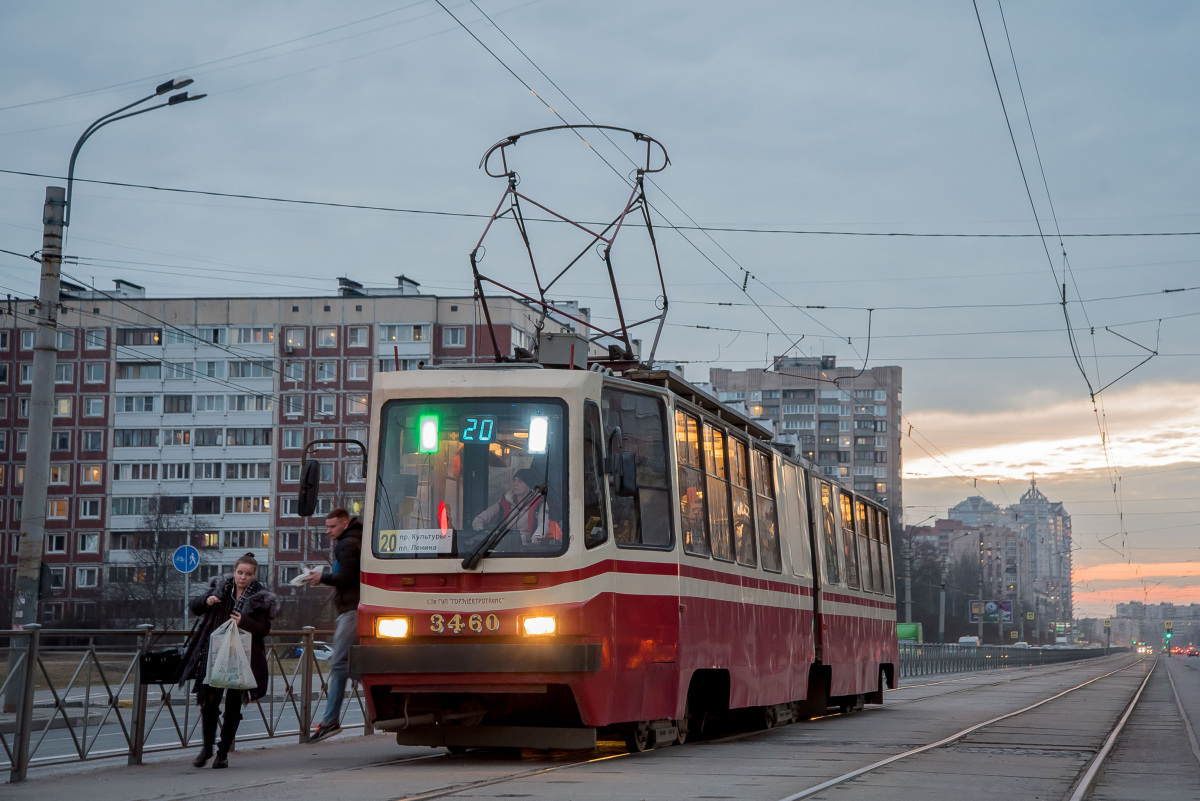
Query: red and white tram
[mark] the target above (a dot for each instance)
(657, 562)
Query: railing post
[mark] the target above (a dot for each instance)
(20, 761)
(306, 711)
(137, 726)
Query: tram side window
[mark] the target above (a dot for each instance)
(643, 520)
(739, 497)
(876, 555)
(768, 525)
(848, 541)
(864, 546)
(691, 484)
(595, 511)
(833, 572)
(720, 535)
(885, 553)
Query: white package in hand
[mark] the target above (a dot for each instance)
(229, 659)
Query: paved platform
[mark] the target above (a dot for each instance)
(1031, 756)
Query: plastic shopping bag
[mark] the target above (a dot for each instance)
(229, 659)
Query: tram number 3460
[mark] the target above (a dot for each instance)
(438, 624)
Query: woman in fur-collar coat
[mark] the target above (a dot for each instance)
(252, 606)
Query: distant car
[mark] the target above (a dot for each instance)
(321, 651)
(1193, 651)
(971, 640)
(1020, 644)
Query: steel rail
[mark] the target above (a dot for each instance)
(953, 738)
(1084, 785)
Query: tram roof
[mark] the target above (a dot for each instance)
(693, 394)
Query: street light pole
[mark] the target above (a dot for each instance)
(56, 217)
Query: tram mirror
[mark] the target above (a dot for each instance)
(625, 483)
(310, 483)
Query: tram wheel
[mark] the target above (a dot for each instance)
(770, 719)
(639, 737)
(681, 725)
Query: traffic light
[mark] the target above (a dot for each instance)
(1170, 634)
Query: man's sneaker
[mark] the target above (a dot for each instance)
(324, 730)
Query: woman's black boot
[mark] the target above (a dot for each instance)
(204, 755)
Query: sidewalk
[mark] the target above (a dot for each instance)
(284, 767)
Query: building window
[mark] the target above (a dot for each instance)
(250, 369)
(293, 438)
(294, 371)
(247, 436)
(138, 370)
(208, 471)
(93, 440)
(57, 509)
(454, 337)
(289, 540)
(356, 404)
(326, 405)
(93, 407)
(294, 338)
(211, 369)
(214, 336)
(64, 373)
(89, 542)
(327, 371)
(3, 373)
(321, 434)
(356, 336)
(62, 407)
(206, 505)
(135, 438)
(253, 336)
(177, 436)
(289, 507)
(293, 405)
(91, 474)
(94, 373)
(210, 403)
(326, 337)
(60, 441)
(58, 581)
(135, 403)
(354, 472)
(881, 487)
(291, 472)
(139, 336)
(249, 403)
(26, 373)
(85, 577)
(3, 340)
(89, 509)
(177, 404)
(94, 339)
(23, 408)
(27, 340)
(287, 574)
(356, 371)
(60, 474)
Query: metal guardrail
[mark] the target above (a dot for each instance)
(929, 658)
(74, 695)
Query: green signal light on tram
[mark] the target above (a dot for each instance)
(427, 434)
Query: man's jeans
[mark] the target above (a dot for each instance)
(344, 635)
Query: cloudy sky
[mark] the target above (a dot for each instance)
(816, 126)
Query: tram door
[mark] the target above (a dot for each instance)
(646, 611)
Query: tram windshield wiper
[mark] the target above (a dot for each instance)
(505, 525)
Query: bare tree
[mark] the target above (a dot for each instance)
(148, 588)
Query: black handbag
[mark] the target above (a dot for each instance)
(161, 667)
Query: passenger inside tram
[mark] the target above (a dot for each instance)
(524, 506)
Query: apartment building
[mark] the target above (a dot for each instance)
(844, 420)
(198, 409)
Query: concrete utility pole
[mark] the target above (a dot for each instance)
(982, 603)
(41, 417)
(908, 577)
(56, 216)
(942, 605)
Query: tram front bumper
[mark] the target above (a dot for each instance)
(476, 658)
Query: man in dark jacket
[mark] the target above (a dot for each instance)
(346, 535)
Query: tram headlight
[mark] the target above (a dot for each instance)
(393, 627)
(538, 626)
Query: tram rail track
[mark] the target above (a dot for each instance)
(959, 735)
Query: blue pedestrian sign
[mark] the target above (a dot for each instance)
(186, 558)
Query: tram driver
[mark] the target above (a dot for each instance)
(533, 524)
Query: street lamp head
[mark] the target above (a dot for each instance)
(173, 84)
(182, 97)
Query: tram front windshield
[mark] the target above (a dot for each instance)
(454, 474)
